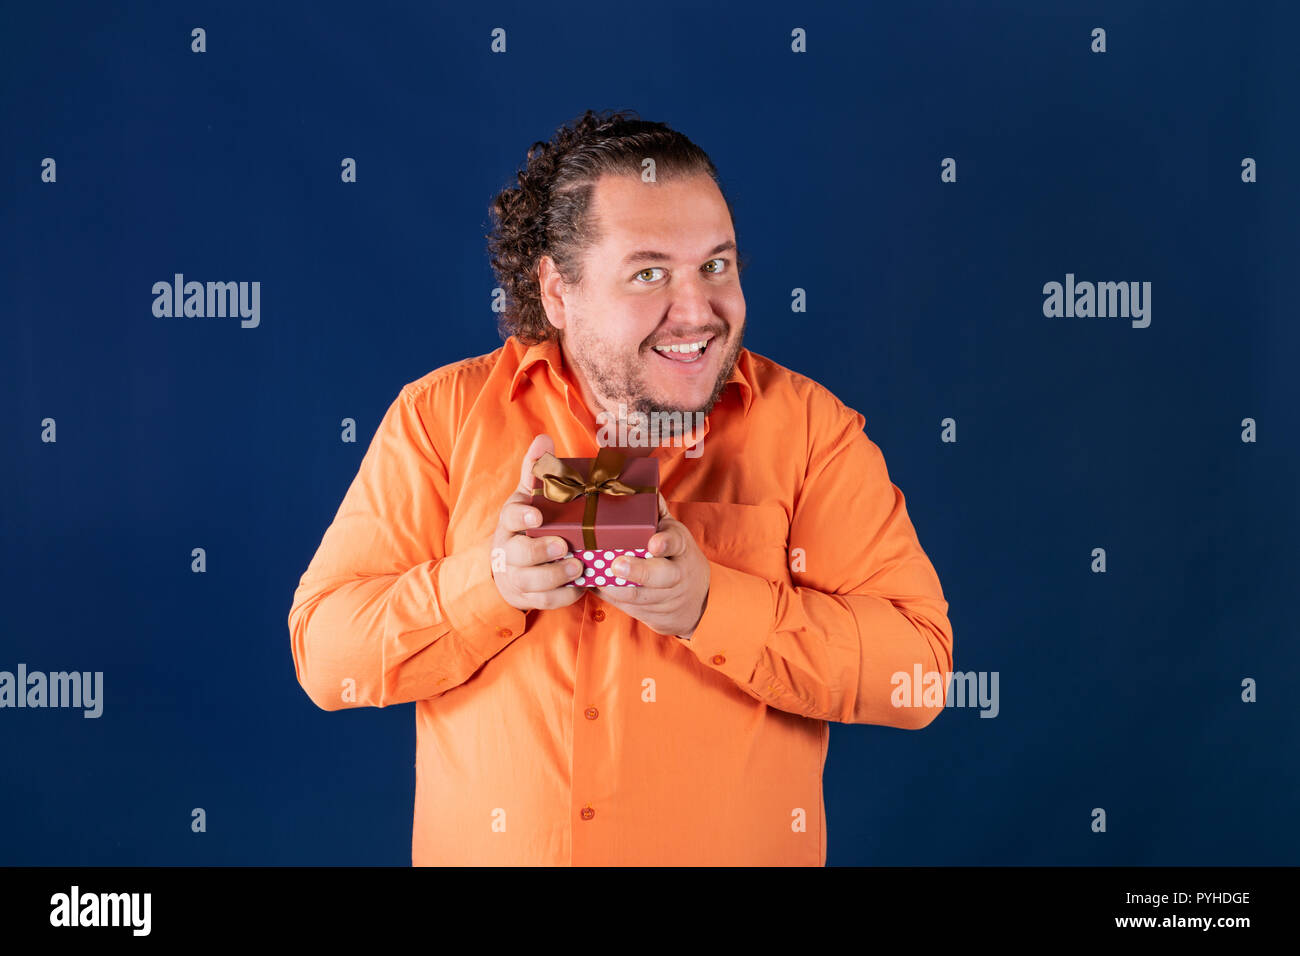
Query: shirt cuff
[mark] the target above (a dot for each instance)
(479, 616)
(736, 623)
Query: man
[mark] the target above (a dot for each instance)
(683, 721)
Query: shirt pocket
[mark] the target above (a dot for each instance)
(750, 538)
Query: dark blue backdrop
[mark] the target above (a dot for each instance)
(1120, 690)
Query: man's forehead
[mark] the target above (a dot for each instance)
(681, 216)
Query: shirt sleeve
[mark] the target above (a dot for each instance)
(382, 616)
(862, 615)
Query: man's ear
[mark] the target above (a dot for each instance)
(551, 288)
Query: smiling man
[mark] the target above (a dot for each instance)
(683, 721)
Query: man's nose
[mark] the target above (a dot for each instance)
(692, 302)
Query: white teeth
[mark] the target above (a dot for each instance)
(692, 347)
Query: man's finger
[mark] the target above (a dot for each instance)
(545, 577)
(519, 515)
(669, 541)
(556, 597)
(648, 572)
(632, 597)
(523, 551)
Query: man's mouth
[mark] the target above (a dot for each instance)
(684, 352)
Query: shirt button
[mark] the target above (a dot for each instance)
(598, 614)
(588, 813)
(719, 659)
(503, 632)
(591, 713)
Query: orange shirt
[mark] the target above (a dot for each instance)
(578, 735)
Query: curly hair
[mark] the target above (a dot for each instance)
(547, 213)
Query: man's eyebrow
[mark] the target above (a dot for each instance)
(650, 255)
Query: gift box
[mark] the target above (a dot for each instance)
(603, 507)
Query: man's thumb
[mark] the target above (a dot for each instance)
(540, 446)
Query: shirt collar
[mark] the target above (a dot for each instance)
(548, 353)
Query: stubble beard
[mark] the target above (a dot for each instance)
(624, 386)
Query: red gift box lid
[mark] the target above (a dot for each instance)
(622, 521)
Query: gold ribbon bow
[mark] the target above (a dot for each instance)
(562, 483)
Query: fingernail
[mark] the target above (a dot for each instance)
(620, 568)
(556, 548)
(532, 518)
(573, 568)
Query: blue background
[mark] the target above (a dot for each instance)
(1118, 690)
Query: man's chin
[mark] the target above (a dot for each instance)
(682, 403)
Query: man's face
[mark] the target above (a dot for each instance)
(663, 273)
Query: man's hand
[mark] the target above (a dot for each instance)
(525, 569)
(674, 580)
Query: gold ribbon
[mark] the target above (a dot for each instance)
(562, 483)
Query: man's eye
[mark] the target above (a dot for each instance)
(722, 263)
